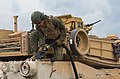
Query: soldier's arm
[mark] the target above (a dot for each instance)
(60, 25)
(34, 41)
(63, 32)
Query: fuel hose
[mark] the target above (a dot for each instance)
(71, 59)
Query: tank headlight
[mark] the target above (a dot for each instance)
(28, 68)
(5, 67)
(14, 66)
(25, 68)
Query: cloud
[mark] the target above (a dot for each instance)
(4, 7)
(22, 8)
(15, 7)
(89, 10)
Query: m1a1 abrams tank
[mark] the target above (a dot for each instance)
(85, 56)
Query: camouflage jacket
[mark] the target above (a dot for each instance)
(38, 35)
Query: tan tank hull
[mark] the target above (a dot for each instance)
(95, 52)
(57, 70)
(4, 33)
(102, 52)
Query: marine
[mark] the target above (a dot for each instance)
(49, 30)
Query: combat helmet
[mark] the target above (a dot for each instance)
(37, 16)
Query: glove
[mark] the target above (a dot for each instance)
(47, 46)
(44, 47)
(40, 55)
(58, 42)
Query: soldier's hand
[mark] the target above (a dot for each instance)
(47, 46)
(44, 47)
(58, 42)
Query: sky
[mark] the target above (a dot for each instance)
(89, 10)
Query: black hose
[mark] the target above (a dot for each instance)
(71, 59)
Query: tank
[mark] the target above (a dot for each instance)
(85, 56)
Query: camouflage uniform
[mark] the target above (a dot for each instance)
(41, 36)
